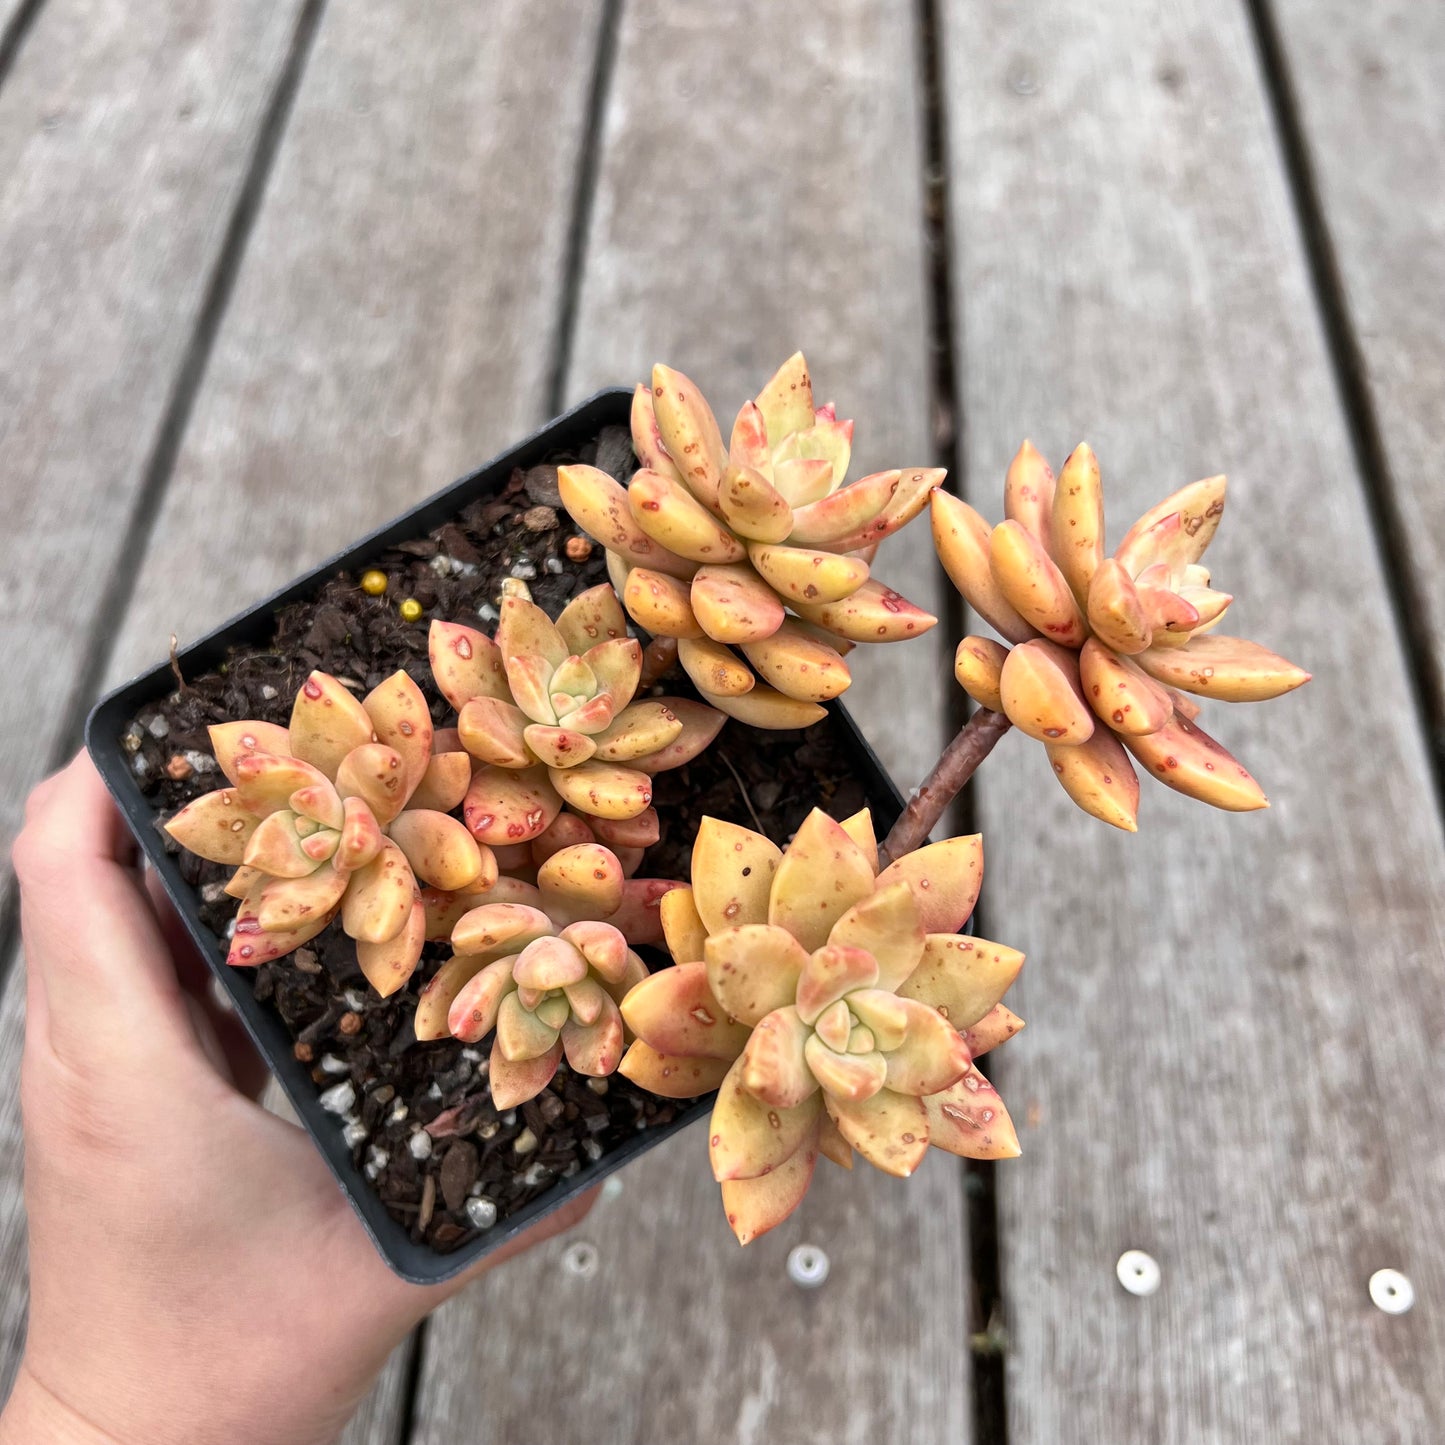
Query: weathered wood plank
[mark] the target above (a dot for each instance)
(1233, 1056)
(730, 227)
(1367, 82)
(390, 326)
(125, 136)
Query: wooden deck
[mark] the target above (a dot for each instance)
(271, 271)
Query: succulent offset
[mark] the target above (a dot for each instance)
(546, 966)
(754, 555)
(834, 1008)
(1109, 651)
(342, 813)
(549, 711)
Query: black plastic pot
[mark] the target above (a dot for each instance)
(111, 717)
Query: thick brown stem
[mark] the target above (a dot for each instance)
(960, 758)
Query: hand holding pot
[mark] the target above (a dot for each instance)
(195, 1274)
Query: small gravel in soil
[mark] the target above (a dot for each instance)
(418, 1118)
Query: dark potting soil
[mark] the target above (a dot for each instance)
(418, 1117)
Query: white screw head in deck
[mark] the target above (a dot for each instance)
(807, 1266)
(580, 1258)
(1391, 1291)
(1138, 1272)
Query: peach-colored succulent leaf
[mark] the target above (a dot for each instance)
(1075, 534)
(548, 963)
(377, 774)
(1028, 491)
(1099, 777)
(584, 881)
(747, 1138)
(243, 881)
(252, 945)
(525, 630)
(831, 1144)
(617, 666)
(733, 604)
(378, 900)
(660, 604)
(848, 512)
(595, 1048)
(752, 506)
(671, 1076)
(682, 926)
(786, 401)
(1121, 692)
(825, 440)
(754, 1206)
(774, 1066)
(889, 1130)
(945, 879)
(798, 665)
(1171, 618)
(669, 513)
(566, 830)
(1199, 507)
(823, 873)
(1116, 611)
(1184, 757)
(969, 1119)
(445, 782)
(529, 676)
(216, 826)
(715, 669)
(647, 436)
(265, 782)
(801, 481)
(932, 1055)
(441, 851)
(978, 666)
(766, 707)
(361, 835)
(831, 972)
(512, 1082)
(445, 910)
(638, 917)
(637, 731)
(473, 1011)
(285, 904)
(1042, 694)
(233, 740)
(276, 848)
(434, 1003)
(402, 719)
(689, 432)
(907, 499)
(558, 747)
(996, 1027)
(1209, 604)
(961, 539)
(882, 1013)
(593, 716)
(465, 664)
(639, 832)
(754, 969)
(1228, 668)
(503, 807)
(859, 827)
(732, 874)
(845, 1076)
(886, 925)
(598, 504)
(521, 1033)
(497, 927)
(874, 613)
(495, 732)
(1033, 585)
(700, 725)
(635, 972)
(327, 722)
(592, 617)
(675, 1011)
(601, 945)
(389, 965)
(603, 790)
(749, 442)
(835, 1026)
(320, 803)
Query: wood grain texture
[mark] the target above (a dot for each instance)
(391, 325)
(125, 134)
(759, 190)
(14, 1295)
(1234, 1055)
(1370, 103)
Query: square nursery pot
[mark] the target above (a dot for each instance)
(111, 718)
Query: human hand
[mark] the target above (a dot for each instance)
(195, 1274)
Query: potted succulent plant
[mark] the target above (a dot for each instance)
(411, 809)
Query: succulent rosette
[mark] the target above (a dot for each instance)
(753, 554)
(834, 1007)
(343, 812)
(549, 710)
(1109, 651)
(546, 966)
